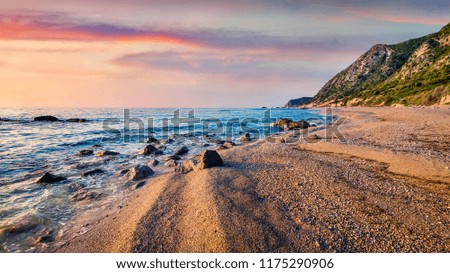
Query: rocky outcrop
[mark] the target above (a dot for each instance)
(414, 72)
(297, 102)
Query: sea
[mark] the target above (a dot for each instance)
(33, 217)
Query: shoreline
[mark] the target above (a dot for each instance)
(307, 197)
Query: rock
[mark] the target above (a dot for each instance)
(106, 153)
(229, 144)
(93, 172)
(221, 147)
(181, 151)
(186, 166)
(290, 124)
(153, 163)
(85, 152)
(152, 140)
(314, 137)
(172, 157)
(84, 195)
(209, 159)
(150, 149)
(162, 147)
(167, 141)
(22, 225)
(46, 118)
(170, 163)
(206, 145)
(140, 185)
(76, 187)
(245, 137)
(139, 172)
(76, 120)
(96, 146)
(123, 172)
(219, 141)
(281, 140)
(49, 178)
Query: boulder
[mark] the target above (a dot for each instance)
(46, 118)
(209, 159)
(148, 150)
(85, 152)
(22, 225)
(153, 163)
(106, 153)
(140, 185)
(49, 178)
(92, 172)
(181, 151)
(76, 120)
(139, 172)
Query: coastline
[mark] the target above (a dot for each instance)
(385, 190)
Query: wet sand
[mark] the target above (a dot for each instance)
(386, 189)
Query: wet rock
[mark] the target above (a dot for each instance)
(85, 152)
(172, 157)
(170, 163)
(219, 141)
(162, 147)
(96, 146)
(245, 137)
(49, 178)
(167, 141)
(181, 151)
(221, 147)
(139, 172)
(92, 172)
(76, 120)
(153, 163)
(46, 118)
(83, 195)
(152, 140)
(76, 187)
(280, 140)
(106, 153)
(148, 150)
(22, 225)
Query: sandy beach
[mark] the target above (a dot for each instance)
(386, 189)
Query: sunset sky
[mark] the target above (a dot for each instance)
(148, 53)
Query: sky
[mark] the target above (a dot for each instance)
(148, 53)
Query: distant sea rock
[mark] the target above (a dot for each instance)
(46, 118)
(76, 120)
